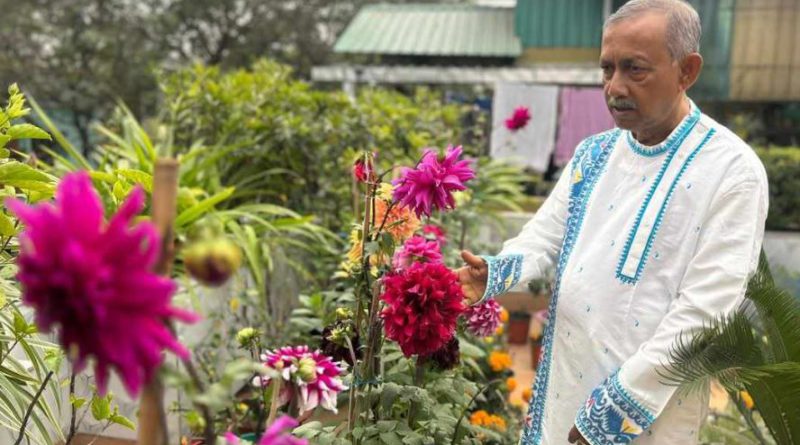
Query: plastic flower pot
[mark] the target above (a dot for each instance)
(518, 325)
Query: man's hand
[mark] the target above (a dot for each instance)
(576, 437)
(473, 277)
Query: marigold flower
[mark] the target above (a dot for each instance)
(511, 384)
(499, 361)
(527, 394)
(747, 399)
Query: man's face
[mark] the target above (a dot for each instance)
(640, 79)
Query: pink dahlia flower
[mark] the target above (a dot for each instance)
(432, 231)
(519, 119)
(276, 434)
(417, 248)
(430, 185)
(423, 303)
(483, 319)
(91, 280)
(311, 376)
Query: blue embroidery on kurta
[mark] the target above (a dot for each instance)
(673, 144)
(589, 164)
(504, 273)
(670, 143)
(659, 217)
(612, 415)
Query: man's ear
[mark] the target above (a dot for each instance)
(691, 66)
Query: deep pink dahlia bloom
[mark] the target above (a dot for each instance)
(417, 248)
(432, 231)
(91, 280)
(519, 119)
(277, 433)
(483, 319)
(423, 303)
(430, 185)
(311, 376)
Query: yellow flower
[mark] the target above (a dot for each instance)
(386, 191)
(496, 423)
(747, 399)
(499, 361)
(235, 303)
(511, 383)
(499, 330)
(488, 340)
(504, 315)
(527, 394)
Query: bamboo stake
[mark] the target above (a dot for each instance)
(152, 417)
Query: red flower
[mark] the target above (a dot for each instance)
(432, 231)
(423, 306)
(363, 169)
(519, 119)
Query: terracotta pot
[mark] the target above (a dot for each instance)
(536, 353)
(518, 327)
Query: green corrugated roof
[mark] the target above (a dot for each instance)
(559, 23)
(431, 29)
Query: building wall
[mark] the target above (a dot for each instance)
(765, 55)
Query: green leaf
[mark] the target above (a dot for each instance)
(6, 226)
(101, 407)
(27, 131)
(76, 402)
(122, 420)
(24, 176)
(196, 211)
(137, 176)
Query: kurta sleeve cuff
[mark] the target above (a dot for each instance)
(612, 415)
(504, 273)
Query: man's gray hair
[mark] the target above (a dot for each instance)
(683, 26)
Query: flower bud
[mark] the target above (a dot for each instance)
(307, 369)
(213, 261)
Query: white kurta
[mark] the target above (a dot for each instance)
(647, 243)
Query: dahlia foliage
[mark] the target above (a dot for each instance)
(309, 376)
(90, 280)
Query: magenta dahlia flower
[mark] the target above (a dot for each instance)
(430, 185)
(417, 248)
(483, 319)
(519, 119)
(91, 281)
(423, 303)
(311, 376)
(432, 231)
(276, 434)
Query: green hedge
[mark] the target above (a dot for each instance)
(783, 171)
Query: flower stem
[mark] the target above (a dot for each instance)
(419, 381)
(28, 413)
(74, 413)
(466, 407)
(276, 391)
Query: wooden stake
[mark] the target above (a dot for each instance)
(152, 417)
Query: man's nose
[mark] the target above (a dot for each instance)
(615, 86)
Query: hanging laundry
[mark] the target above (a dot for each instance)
(533, 144)
(583, 113)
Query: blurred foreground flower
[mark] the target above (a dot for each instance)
(276, 434)
(91, 280)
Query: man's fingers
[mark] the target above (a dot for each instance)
(472, 260)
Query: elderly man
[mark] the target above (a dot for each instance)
(652, 230)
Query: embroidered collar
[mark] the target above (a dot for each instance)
(669, 143)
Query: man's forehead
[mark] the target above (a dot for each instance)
(642, 37)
